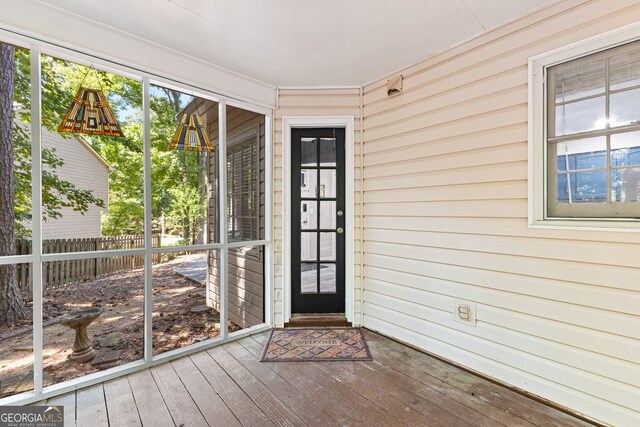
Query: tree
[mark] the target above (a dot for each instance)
(12, 306)
(15, 169)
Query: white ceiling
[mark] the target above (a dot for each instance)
(304, 42)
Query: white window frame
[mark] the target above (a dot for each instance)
(61, 50)
(537, 139)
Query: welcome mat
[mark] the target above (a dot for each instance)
(315, 345)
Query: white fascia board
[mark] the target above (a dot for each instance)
(65, 30)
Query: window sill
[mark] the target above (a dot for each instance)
(596, 224)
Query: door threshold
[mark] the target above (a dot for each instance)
(317, 319)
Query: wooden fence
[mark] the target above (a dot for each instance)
(61, 273)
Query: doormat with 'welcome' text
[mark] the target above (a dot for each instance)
(315, 345)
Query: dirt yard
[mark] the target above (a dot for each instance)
(179, 319)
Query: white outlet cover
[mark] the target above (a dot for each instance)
(472, 312)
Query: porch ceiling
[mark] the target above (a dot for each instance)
(304, 42)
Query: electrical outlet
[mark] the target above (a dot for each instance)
(465, 312)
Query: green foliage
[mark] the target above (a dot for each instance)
(56, 193)
(185, 211)
(177, 176)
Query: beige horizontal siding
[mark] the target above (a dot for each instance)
(245, 271)
(84, 169)
(314, 102)
(445, 220)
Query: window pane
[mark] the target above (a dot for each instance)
(309, 183)
(16, 342)
(580, 154)
(327, 151)
(309, 246)
(309, 278)
(183, 178)
(625, 149)
(624, 70)
(183, 312)
(309, 152)
(308, 215)
(328, 246)
(327, 278)
(327, 183)
(563, 189)
(625, 185)
(92, 171)
(16, 353)
(105, 296)
(625, 108)
(580, 116)
(582, 187)
(579, 81)
(328, 215)
(15, 154)
(597, 94)
(245, 273)
(245, 174)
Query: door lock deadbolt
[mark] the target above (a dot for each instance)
(339, 213)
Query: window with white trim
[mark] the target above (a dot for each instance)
(585, 138)
(593, 129)
(243, 192)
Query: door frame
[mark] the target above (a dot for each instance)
(346, 122)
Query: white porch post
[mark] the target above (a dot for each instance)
(148, 227)
(222, 200)
(36, 216)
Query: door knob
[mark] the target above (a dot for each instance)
(340, 230)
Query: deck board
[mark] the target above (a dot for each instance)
(91, 408)
(302, 404)
(343, 393)
(69, 403)
(501, 400)
(418, 375)
(203, 394)
(151, 407)
(279, 412)
(181, 406)
(121, 407)
(345, 414)
(236, 399)
(228, 386)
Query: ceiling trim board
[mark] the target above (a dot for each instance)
(57, 29)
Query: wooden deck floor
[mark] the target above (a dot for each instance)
(227, 386)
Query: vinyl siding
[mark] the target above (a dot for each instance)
(445, 220)
(245, 267)
(83, 169)
(315, 102)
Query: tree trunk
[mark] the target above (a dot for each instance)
(12, 306)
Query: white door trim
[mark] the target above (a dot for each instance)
(346, 122)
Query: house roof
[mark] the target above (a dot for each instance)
(304, 42)
(90, 149)
(85, 144)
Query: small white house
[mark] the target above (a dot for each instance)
(87, 170)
